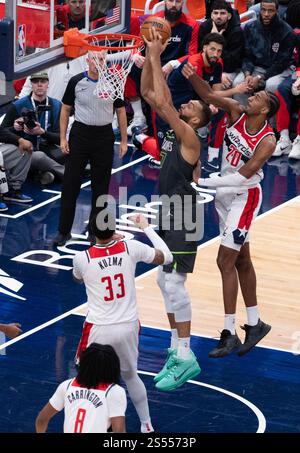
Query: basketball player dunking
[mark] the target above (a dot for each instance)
(248, 143)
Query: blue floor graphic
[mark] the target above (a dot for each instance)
(36, 286)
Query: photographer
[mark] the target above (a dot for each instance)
(36, 118)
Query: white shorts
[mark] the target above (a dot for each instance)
(236, 213)
(123, 337)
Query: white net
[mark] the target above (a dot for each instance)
(113, 67)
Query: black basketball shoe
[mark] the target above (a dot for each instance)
(226, 345)
(253, 335)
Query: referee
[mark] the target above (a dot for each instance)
(91, 140)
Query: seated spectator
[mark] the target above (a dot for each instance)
(208, 65)
(43, 129)
(15, 157)
(269, 45)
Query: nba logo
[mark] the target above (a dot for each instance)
(21, 41)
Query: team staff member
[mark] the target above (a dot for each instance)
(91, 140)
(108, 272)
(93, 401)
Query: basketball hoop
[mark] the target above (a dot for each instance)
(113, 55)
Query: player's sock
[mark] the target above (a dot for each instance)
(174, 339)
(229, 323)
(252, 315)
(183, 350)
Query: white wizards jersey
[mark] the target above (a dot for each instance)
(239, 146)
(109, 276)
(89, 410)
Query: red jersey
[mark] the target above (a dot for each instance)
(239, 146)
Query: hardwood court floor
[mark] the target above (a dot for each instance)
(275, 246)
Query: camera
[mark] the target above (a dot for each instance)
(30, 117)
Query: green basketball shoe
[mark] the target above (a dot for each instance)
(169, 363)
(179, 373)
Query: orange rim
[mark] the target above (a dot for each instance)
(77, 44)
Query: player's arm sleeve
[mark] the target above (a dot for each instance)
(79, 263)
(57, 400)
(116, 401)
(140, 252)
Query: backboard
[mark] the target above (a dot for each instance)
(31, 31)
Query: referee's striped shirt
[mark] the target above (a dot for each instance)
(89, 108)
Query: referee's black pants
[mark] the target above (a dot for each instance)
(94, 144)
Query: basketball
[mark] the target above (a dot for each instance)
(160, 24)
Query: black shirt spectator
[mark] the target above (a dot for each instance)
(6, 136)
